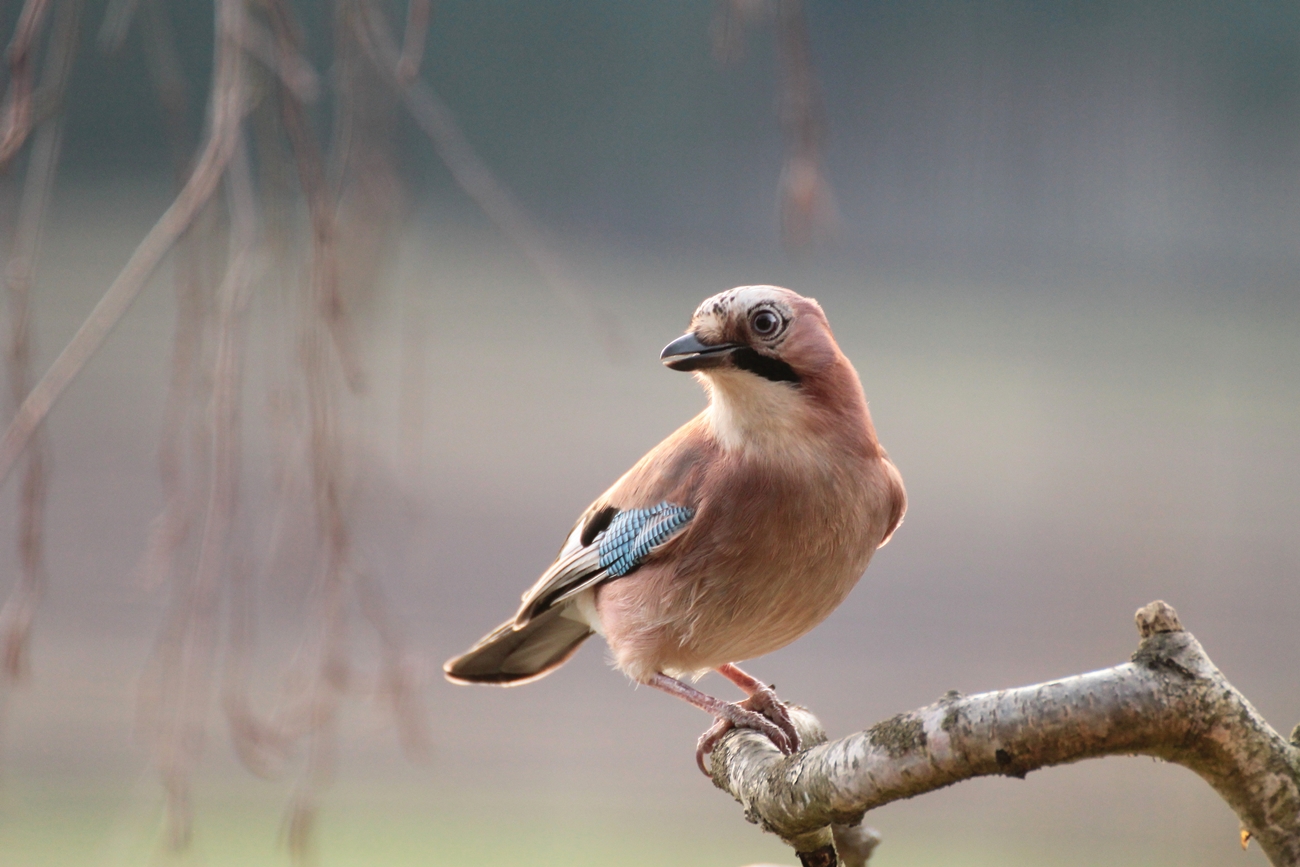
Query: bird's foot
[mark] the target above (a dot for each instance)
(766, 702)
(763, 712)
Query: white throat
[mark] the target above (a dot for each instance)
(749, 413)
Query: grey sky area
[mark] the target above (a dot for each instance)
(1066, 270)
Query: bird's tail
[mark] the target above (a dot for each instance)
(509, 657)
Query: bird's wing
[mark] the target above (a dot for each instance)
(644, 510)
(607, 542)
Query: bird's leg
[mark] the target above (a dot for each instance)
(762, 699)
(747, 682)
(732, 713)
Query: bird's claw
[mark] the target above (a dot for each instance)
(765, 701)
(763, 712)
(709, 740)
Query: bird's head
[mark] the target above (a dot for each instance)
(768, 360)
(765, 331)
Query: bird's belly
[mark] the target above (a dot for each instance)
(742, 620)
(725, 611)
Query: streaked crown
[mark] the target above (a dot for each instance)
(765, 330)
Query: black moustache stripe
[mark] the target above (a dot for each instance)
(764, 365)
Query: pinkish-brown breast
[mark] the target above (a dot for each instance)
(773, 549)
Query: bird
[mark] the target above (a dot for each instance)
(733, 537)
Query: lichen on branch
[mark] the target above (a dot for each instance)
(1168, 701)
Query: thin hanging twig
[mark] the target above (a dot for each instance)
(417, 28)
(200, 609)
(329, 670)
(169, 82)
(399, 683)
(117, 22)
(731, 22)
(177, 689)
(182, 419)
(174, 694)
(324, 348)
(324, 268)
(281, 57)
(16, 120)
(324, 287)
(19, 611)
(436, 120)
(229, 102)
(398, 679)
(807, 206)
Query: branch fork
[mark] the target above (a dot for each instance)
(1169, 701)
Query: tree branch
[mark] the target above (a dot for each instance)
(1169, 702)
(228, 105)
(437, 121)
(19, 610)
(16, 117)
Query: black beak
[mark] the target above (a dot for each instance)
(688, 353)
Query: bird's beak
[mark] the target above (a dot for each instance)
(688, 353)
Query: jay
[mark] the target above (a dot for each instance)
(733, 537)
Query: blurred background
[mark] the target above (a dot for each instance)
(1057, 240)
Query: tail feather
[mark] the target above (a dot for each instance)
(509, 657)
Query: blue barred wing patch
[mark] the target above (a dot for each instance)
(632, 535)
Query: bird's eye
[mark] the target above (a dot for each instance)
(765, 323)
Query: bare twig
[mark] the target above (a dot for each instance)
(175, 691)
(366, 192)
(325, 348)
(178, 686)
(436, 120)
(1169, 702)
(417, 28)
(731, 21)
(19, 610)
(329, 669)
(807, 207)
(412, 381)
(117, 22)
(281, 56)
(399, 685)
(16, 120)
(228, 105)
(262, 746)
(188, 664)
(324, 274)
(168, 80)
(184, 427)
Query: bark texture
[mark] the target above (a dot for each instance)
(1169, 701)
